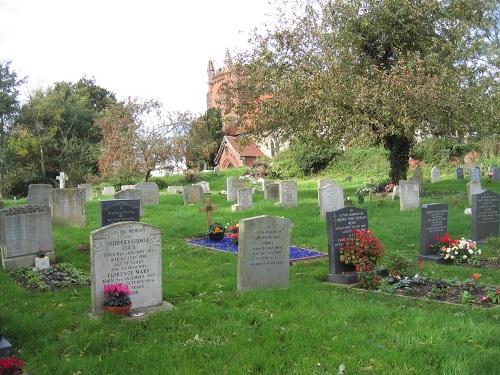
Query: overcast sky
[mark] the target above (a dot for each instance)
(140, 48)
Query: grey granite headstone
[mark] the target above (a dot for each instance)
(475, 173)
(128, 253)
(473, 187)
(339, 226)
(245, 200)
(495, 176)
(5, 347)
(435, 174)
(409, 195)
(322, 183)
(177, 189)
(108, 190)
(150, 193)
(40, 194)
(25, 230)
(272, 192)
(418, 175)
(459, 172)
(131, 194)
(68, 207)
(433, 223)
(192, 194)
(88, 190)
(331, 198)
(263, 253)
(119, 210)
(233, 185)
(288, 195)
(485, 215)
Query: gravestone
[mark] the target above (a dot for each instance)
(132, 194)
(473, 187)
(409, 195)
(339, 226)
(205, 186)
(25, 230)
(120, 210)
(245, 200)
(475, 173)
(433, 223)
(395, 192)
(128, 253)
(126, 187)
(435, 174)
(87, 188)
(40, 194)
(208, 209)
(233, 185)
(485, 215)
(272, 191)
(5, 346)
(264, 183)
(459, 172)
(150, 193)
(263, 253)
(495, 176)
(175, 189)
(192, 194)
(322, 183)
(331, 198)
(68, 207)
(288, 196)
(62, 178)
(418, 175)
(108, 190)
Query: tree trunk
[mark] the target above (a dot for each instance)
(2, 155)
(42, 162)
(399, 152)
(148, 174)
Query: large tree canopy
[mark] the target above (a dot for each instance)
(388, 68)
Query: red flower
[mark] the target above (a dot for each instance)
(11, 366)
(476, 276)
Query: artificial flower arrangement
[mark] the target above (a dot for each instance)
(11, 366)
(232, 232)
(215, 232)
(453, 250)
(117, 299)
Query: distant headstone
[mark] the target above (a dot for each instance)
(40, 194)
(473, 187)
(331, 198)
(409, 195)
(175, 189)
(150, 193)
(433, 223)
(475, 173)
(132, 194)
(108, 190)
(233, 185)
(192, 194)
(265, 182)
(128, 253)
(62, 178)
(418, 175)
(435, 174)
(120, 210)
(288, 196)
(495, 176)
(459, 172)
(322, 183)
(245, 200)
(68, 207)
(126, 187)
(217, 169)
(339, 226)
(5, 347)
(272, 191)
(395, 192)
(25, 230)
(87, 189)
(485, 215)
(263, 253)
(205, 186)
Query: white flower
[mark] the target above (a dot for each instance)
(471, 252)
(452, 257)
(446, 256)
(448, 250)
(465, 257)
(456, 252)
(479, 251)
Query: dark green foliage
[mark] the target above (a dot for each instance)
(162, 184)
(124, 178)
(441, 150)
(20, 180)
(62, 275)
(190, 176)
(204, 139)
(399, 152)
(312, 155)
(284, 166)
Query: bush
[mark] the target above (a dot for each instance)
(19, 181)
(284, 166)
(441, 151)
(261, 167)
(312, 155)
(123, 178)
(190, 176)
(160, 181)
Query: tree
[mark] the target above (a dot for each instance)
(387, 68)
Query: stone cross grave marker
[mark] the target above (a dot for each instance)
(132, 194)
(473, 187)
(433, 223)
(435, 175)
(88, 190)
(233, 185)
(288, 196)
(128, 253)
(192, 194)
(245, 200)
(409, 195)
(263, 253)
(339, 226)
(208, 209)
(485, 215)
(475, 173)
(25, 230)
(68, 207)
(272, 191)
(331, 198)
(459, 172)
(150, 193)
(62, 178)
(40, 194)
(119, 210)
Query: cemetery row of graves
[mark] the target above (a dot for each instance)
(275, 228)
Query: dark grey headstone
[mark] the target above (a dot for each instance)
(119, 210)
(339, 225)
(433, 223)
(5, 348)
(485, 215)
(459, 172)
(495, 175)
(475, 173)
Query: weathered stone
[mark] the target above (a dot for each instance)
(126, 187)
(495, 175)
(245, 200)
(87, 189)
(395, 193)
(192, 194)
(272, 191)
(331, 198)
(418, 175)
(288, 196)
(263, 253)
(131, 194)
(409, 195)
(120, 210)
(205, 186)
(435, 174)
(62, 178)
(433, 223)
(473, 187)
(459, 172)
(108, 190)
(475, 173)
(40, 194)
(68, 207)
(25, 230)
(175, 189)
(150, 193)
(322, 183)
(233, 185)
(485, 215)
(128, 253)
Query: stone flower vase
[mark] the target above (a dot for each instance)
(42, 263)
(118, 310)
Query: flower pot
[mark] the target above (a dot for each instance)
(42, 263)
(216, 236)
(118, 310)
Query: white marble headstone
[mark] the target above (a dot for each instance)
(331, 198)
(409, 195)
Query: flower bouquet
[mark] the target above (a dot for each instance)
(233, 232)
(11, 366)
(453, 250)
(215, 232)
(117, 299)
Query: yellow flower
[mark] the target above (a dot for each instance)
(217, 230)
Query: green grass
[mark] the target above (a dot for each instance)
(309, 328)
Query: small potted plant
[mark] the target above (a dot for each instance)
(117, 299)
(11, 366)
(42, 261)
(233, 231)
(215, 232)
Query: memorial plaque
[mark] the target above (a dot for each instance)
(288, 196)
(485, 215)
(233, 185)
(339, 226)
(150, 193)
(435, 175)
(459, 172)
(433, 223)
(331, 198)
(87, 189)
(473, 187)
(128, 253)
(475, 173)
(192, 194)
(40, 194)
(263, 253)
(131, 194)
(272, 192)
(68, 207)
(119, 210)
(245, 200)
(409, 195)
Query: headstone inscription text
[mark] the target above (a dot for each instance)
(433, 223)
(485, 215)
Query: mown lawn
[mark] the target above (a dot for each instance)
(309, 328)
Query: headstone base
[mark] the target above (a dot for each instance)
(432, 258)
(5, 348)
(11, 264)
(343, 278)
